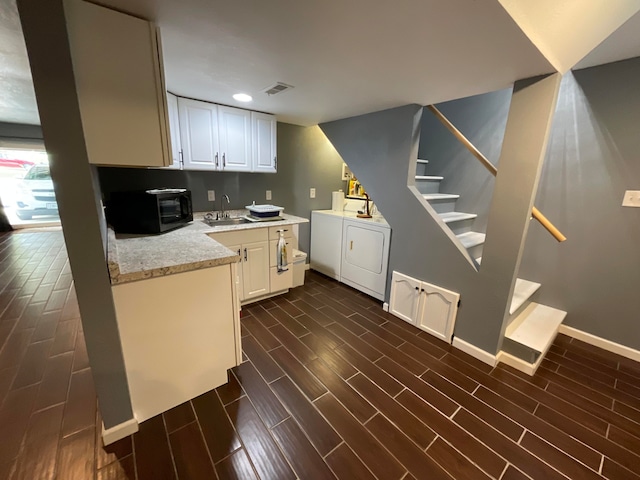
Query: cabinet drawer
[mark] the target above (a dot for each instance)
(273, 251)
(241, 236)
(281, 280)
(273, 231)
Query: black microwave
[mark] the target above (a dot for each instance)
(149, 211)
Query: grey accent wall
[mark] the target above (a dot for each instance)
(306, 159)
(592, 160)
(45, 34)
(482, 119)
(381, 149)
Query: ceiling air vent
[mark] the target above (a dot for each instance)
(277, 88)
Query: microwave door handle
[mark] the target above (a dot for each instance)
(185, 206)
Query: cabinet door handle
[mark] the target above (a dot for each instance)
(417, 288)
(351, 245)
(181, 159)
(224, 160)
(240, 254)
(245, 254)
(275, 162)
(216, 159)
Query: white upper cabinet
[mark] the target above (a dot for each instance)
(264, 142)
(199, 135)
(174, 130)
(234, 125)
(217, 137)
(117, 64)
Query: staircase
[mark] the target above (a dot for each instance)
(531, 326)
(445, 205)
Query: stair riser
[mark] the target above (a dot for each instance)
(461, 226)
(520, 351)
(514, 315)
(476, 251)
(428, 186)
(421, 168)
(443, 206)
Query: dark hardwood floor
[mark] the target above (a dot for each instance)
(331, 387)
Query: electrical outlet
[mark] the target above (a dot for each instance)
(631, 198)
(312, 193)
(268, 195)
(211, 195)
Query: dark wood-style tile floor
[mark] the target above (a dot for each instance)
(332, 387)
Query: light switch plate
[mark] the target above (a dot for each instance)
(211, 195)
(268, 195)
(312, 193)
(631, 198)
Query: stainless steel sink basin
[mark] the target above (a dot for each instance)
(226, 221)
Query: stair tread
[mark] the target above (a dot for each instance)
(429, 177)
(440, 196)
(449, 217)
(536, 326)
(423, 161)
(471, 239)
(524, 289)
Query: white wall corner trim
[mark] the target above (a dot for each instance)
(385, 306)
(607, 345)
(119, 431)
(474, 351)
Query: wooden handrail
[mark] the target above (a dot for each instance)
(535, 213)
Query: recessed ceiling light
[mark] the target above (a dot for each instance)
(242, 97)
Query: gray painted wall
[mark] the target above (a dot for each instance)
(592, 160)
(45, 34)
(381, 149)
(305, 159)
(482, 119)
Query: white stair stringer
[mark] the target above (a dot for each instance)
(529, 336)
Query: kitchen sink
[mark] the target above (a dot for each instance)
(226, 222)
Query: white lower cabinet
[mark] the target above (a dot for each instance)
(428, 307)
(258, 275)
(255, 270)
(175, 351)
(355, 252)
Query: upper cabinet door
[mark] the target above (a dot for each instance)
(174, 129)
(264, 142)
(199, 135)
(235, 138)
(117, 64)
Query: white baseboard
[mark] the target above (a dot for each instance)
(607, 345)
(385, 306)
(120, 431)
(519, 364)
(474, 351)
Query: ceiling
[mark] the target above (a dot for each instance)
(343, 58)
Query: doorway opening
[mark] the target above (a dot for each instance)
(26, 188)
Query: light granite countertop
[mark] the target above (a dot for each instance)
(138, 257)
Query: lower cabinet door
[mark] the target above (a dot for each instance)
(437, 311)
(404, 298)
(281, 280)
(255, 269)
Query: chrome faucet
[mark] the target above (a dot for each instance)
(224, 197)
